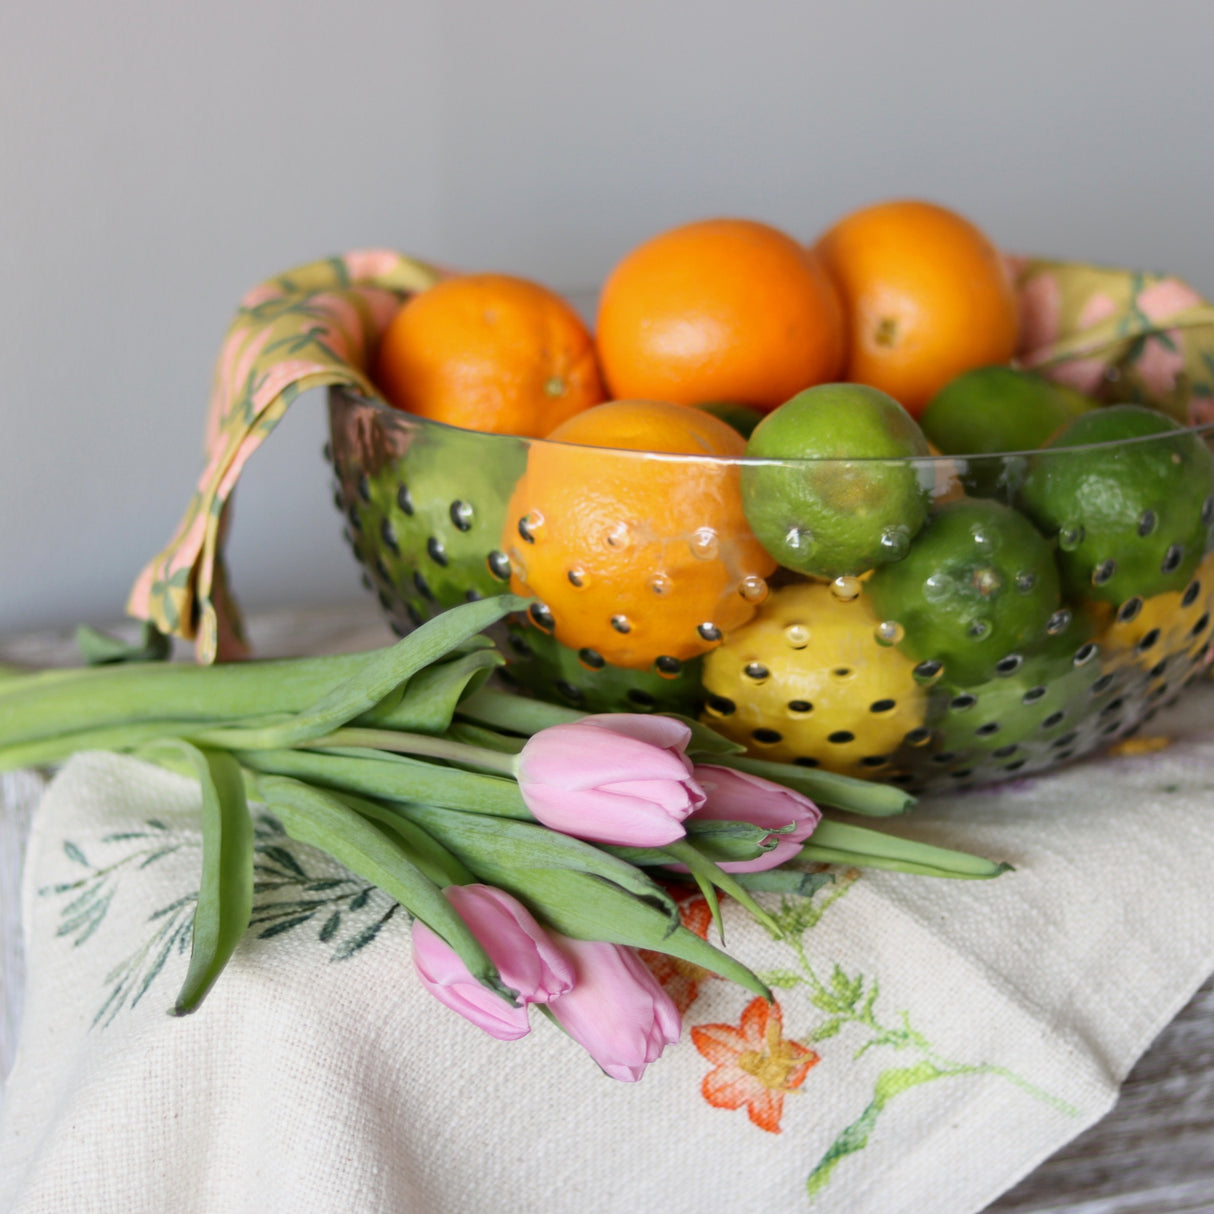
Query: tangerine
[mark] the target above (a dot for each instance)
(489, 352)
(925, 294)
(637, 559)
(721, 309)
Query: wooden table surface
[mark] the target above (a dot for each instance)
(1153, 1154)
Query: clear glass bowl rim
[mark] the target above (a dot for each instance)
(399, 417)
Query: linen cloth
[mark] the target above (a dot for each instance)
(934, 1040)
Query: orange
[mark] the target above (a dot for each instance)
(925, 295)
(722, 309)
(637, 559)
(489, 352)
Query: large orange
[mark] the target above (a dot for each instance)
(638, 559)
(489, 352)
(723, 309)
(925, 294)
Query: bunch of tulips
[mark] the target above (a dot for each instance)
(531, 845)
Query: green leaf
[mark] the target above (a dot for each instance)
(587, 905)
(98, 649)
(520, 847)
(381, 673)
(716, 839)
(439, 864)
(514, 713)
(225, 891)
(322, 820)
(836, 842)
(722, 840)
(683, 851)
(477, 735)
(388, 777)
(431, 696)
(864, 797)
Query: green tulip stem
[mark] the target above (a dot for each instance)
(417, 744)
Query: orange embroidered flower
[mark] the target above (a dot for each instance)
(755, 1064)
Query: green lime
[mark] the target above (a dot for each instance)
(743, 418)
(1129, 494)
(977, 590)
(848, 498)
(997, 409)
(1055, 704)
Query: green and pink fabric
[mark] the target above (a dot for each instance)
(1115, 334)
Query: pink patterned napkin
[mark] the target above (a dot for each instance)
(312, 326)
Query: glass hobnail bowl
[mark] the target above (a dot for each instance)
(975, 618)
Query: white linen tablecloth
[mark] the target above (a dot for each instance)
(935, 1039)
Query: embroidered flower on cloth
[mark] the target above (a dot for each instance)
(681, 979)
(755, 1064)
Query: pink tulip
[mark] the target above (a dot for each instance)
(527, 958)
(618, 778)
(735, 796)
(617, 1009)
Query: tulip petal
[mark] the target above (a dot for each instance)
(602, 817)
(577, 756)
(617, 1009)
(527, 958)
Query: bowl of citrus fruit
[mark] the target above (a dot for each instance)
(806, 492)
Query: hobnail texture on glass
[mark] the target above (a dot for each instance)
(1009, 613)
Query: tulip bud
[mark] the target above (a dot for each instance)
(526, 957)
(617, 1009)
(736, 796)
(619, 778)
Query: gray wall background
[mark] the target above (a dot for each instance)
(157, 159)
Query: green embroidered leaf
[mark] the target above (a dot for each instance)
(785, 881)
(893, 1082)
(828, 1028)
(853, 1138)
(362, 939)
(784, 979)
(282, 857)
(74, 853)
(172, 940)
(330, 927)
(284, 925)
(159, 854)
